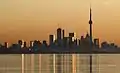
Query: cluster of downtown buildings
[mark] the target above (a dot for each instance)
(61, 44)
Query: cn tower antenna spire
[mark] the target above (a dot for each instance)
(90, 12)
(90, 21)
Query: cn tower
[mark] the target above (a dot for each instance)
(90, 22)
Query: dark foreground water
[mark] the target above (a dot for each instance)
(62, 63)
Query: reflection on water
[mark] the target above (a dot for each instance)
(10, 63)
(62, 63)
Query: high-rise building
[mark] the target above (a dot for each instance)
(87, 41)
(21, 43)
(87, 36)
(59, 36)
(31, 44)
(75, 42)
(96, 43)
(63, 34)
(72, 35)
(6, 44)
(81, 41)
(71, 38)
(44, 43)
(25, 44)
(51, 39)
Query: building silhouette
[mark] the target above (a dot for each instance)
(90, 22)
(63, 34)
(51, 40)
(96, 43)
(59, 36)
(6, 44)
(21, 43)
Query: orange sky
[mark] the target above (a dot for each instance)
(36, 19)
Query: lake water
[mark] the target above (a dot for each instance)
(62, 63)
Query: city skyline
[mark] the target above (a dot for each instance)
(59, 36)
(28, 19)
(86, 44)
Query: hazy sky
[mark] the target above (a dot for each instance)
(36, 19)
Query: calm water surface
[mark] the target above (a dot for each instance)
(102, 63)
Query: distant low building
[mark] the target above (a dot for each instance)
(21, 43)
(6, 45)
(104, 45)
(31, 44)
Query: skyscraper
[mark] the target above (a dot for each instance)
(21, 43)
(51, 39)
(6, 44)
(96, 43)
(31, 44)
(25, 44)
(59, 36)
(72, 37)
(63, 33)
